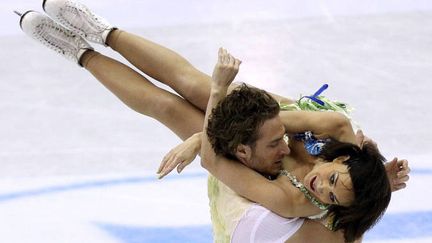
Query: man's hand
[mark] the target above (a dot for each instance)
(397, 172)
(180, 156)
(226, 69)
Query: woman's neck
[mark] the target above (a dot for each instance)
(298, 162)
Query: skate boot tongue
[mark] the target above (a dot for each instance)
(79, 19)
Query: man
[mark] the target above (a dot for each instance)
(245, 127)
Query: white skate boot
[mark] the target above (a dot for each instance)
(56, 37)
(78, 18)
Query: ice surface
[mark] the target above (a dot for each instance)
(77, 165)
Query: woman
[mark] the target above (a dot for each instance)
(132, 88)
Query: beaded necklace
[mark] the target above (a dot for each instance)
(303, 189)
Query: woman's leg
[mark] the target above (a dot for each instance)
(166, 66)
(163, 65)
(155, 60)
(142, 96)
(128, 85)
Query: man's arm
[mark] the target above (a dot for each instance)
(285, 201)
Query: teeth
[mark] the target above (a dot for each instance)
(312, 183)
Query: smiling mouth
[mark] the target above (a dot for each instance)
(312, 183)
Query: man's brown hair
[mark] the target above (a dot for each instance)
(237, 119)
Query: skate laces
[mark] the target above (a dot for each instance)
(52, 36)
(57, 38)
(79, 18)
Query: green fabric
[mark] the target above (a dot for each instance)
(306, 104)
(219, 231)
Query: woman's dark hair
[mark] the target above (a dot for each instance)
(371, 188)
(237, 119)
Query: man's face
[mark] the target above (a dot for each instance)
(270, 148)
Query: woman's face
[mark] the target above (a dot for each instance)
(331, 182)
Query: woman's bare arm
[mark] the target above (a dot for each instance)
(322, 124)
(180, 156)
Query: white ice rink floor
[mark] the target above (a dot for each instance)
(76, 165)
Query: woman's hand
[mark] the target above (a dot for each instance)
(180, 156)
(397, 172)
(225, 70)
(397, 169)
